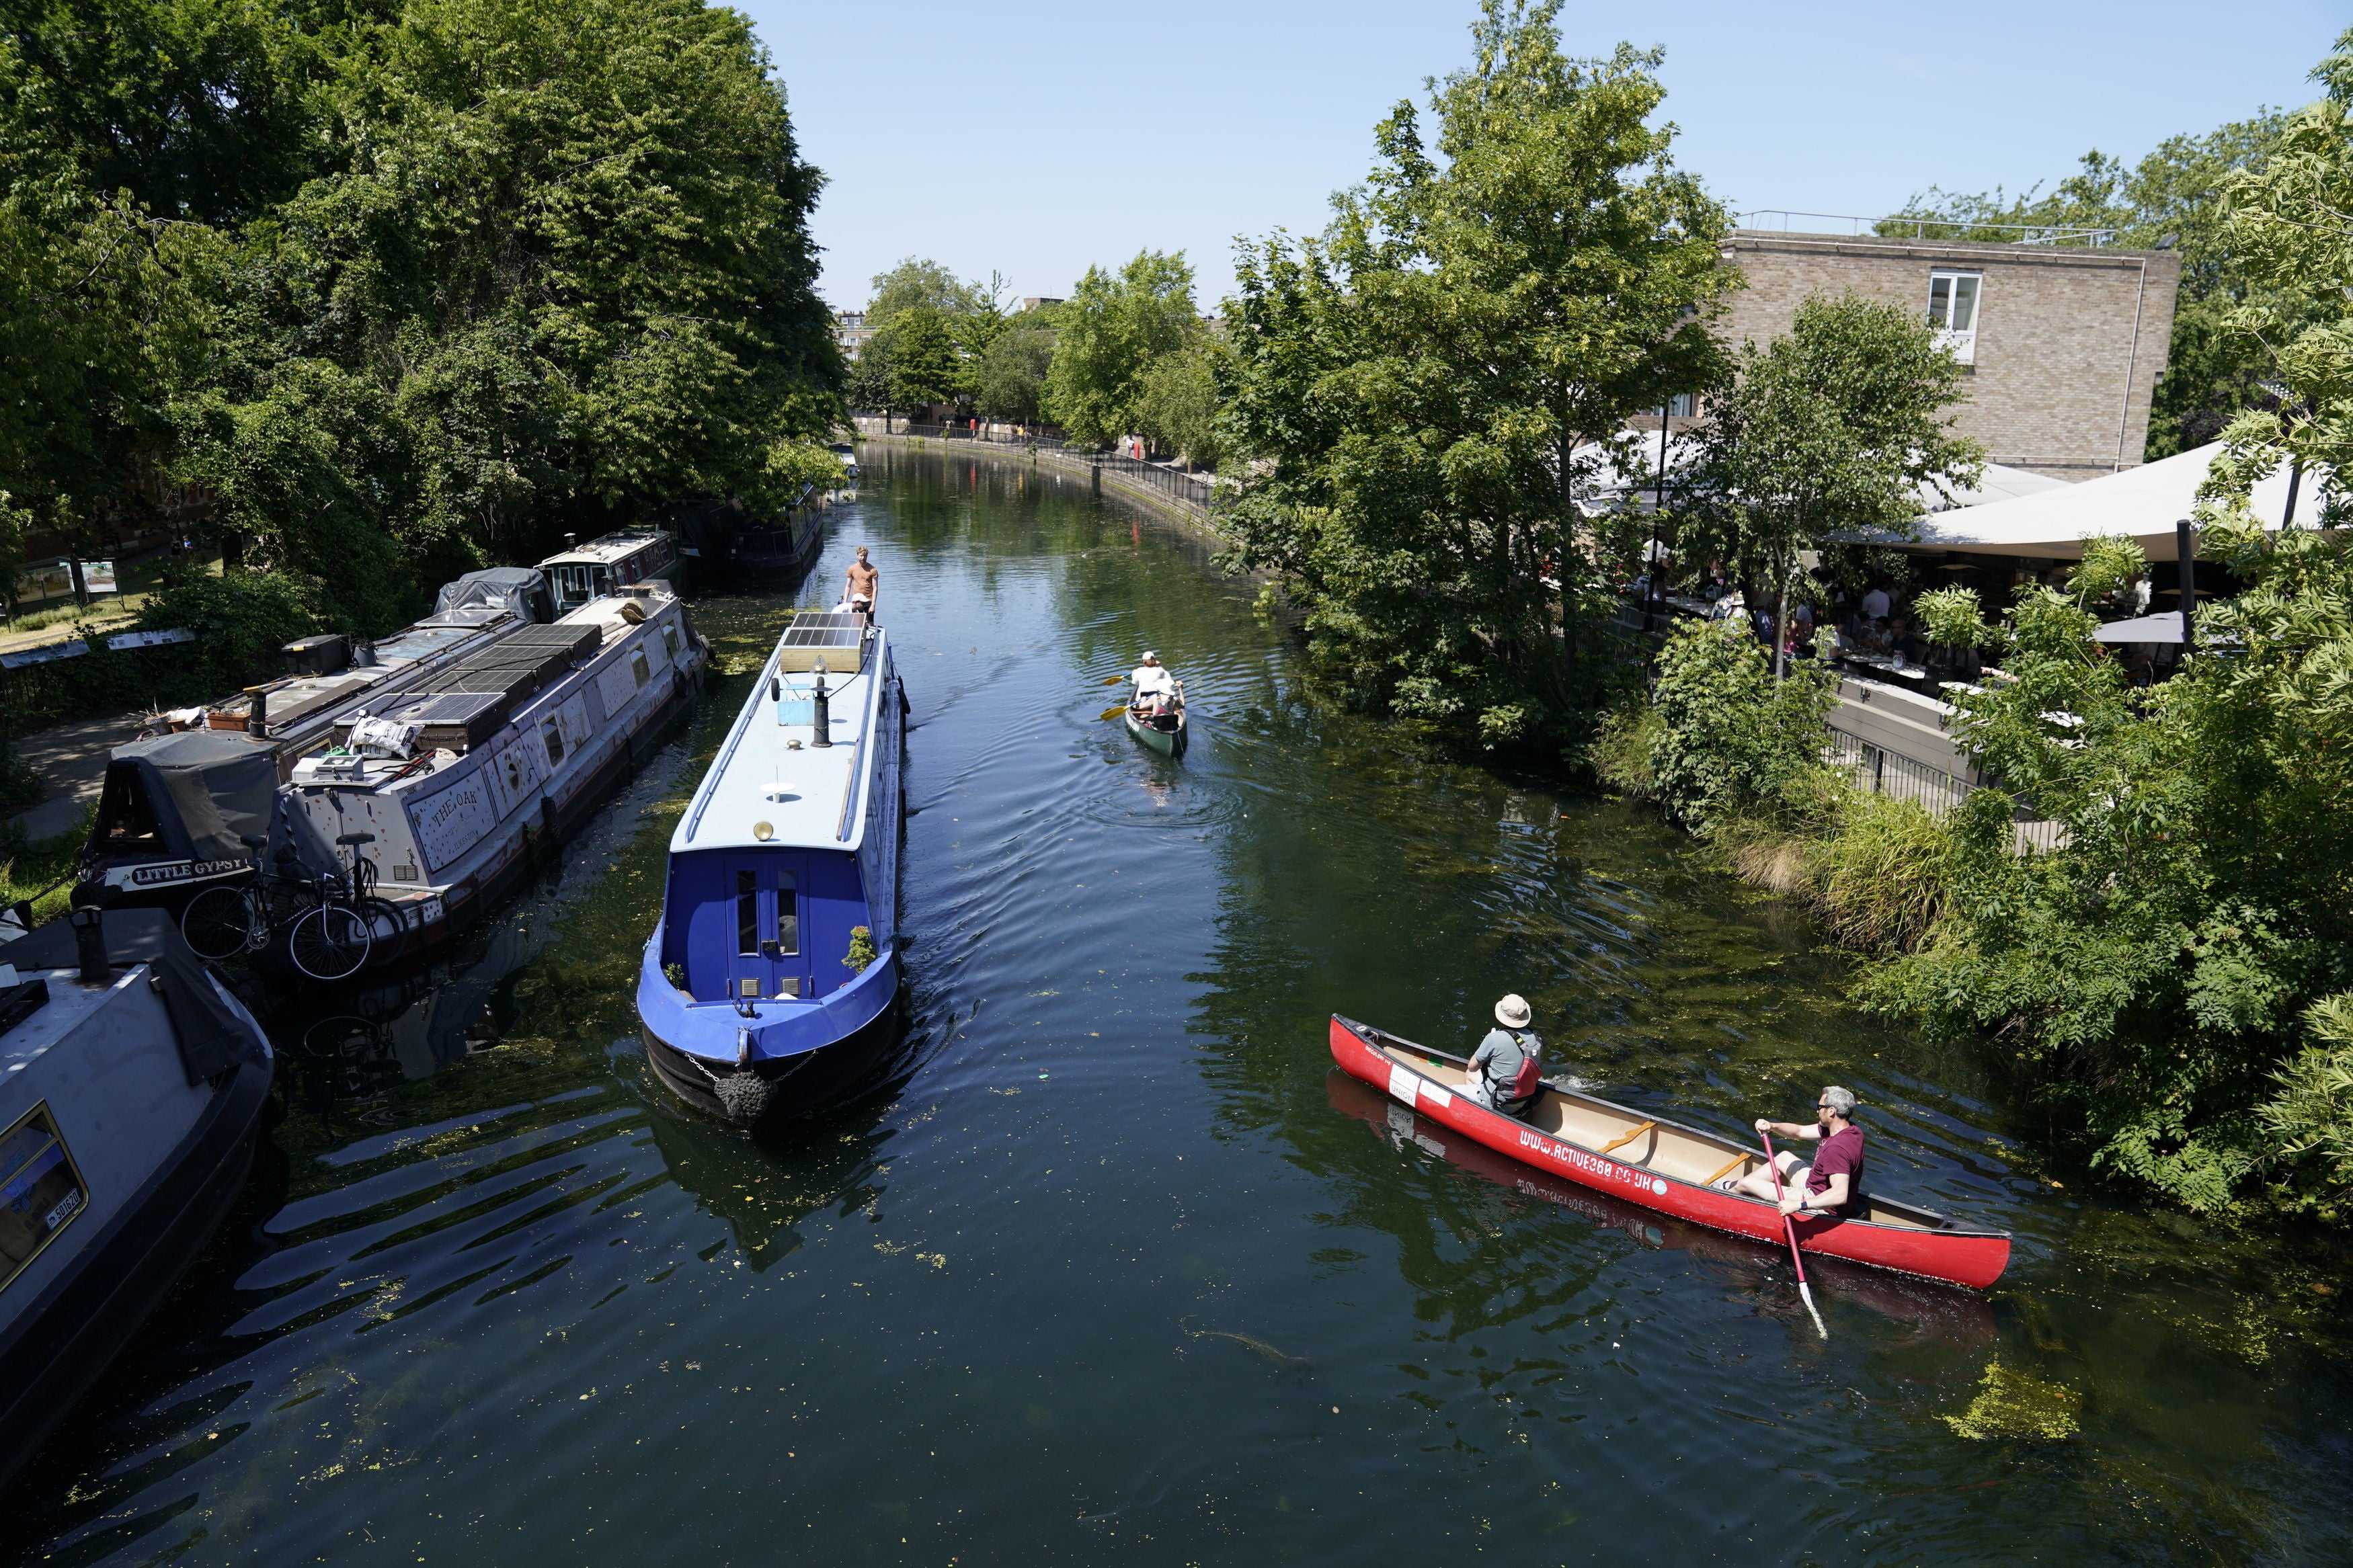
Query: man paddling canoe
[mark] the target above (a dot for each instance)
(1832, 1182)
(1508, 1068)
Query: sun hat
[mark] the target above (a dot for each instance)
(1150, 656)
(1512, 1012)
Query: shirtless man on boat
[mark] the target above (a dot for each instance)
(1508, 1068)
(1832, 1182)
(861, 586)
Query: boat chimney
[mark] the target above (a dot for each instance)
(257, 717)
(90, 945)
(823, 716)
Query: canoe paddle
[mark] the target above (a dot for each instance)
(1112, 712)
(1789, 1229)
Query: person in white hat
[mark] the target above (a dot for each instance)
(1153, 681)
(1507, 1069)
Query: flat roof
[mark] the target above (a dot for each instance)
(768, 771)
(605, 549)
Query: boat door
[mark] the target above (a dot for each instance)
(768, 960)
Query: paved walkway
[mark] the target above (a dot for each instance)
(72, 758)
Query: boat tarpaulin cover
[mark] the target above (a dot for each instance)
(207, 788)
(213, 1035)
(508, 588)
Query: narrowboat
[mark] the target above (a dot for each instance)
(769, 987)
(1664, 1166)
(132, 1087)
(584, 572)
(777, 553)
(454, 788)
(177, 811)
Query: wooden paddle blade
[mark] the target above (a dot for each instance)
(1112, 679)
(1112, 712)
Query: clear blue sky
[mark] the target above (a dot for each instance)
(1036, 139)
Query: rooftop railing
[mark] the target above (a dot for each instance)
(1919, 227)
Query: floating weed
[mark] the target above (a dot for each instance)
(2014, 1403)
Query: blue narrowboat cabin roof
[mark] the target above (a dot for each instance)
(771, 786)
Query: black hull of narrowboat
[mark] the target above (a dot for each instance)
(774, 557)
(794, 1087)
(59, 1342)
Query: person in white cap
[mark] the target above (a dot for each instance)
(1507, 1069)
(1151, 680)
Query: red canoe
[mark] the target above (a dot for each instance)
(1663, 1165)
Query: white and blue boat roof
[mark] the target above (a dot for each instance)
(773, 787)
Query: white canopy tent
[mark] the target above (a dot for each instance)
(2143, 503)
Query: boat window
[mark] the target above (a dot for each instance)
(670, 641)
(602, 581)
(788, 918)
(552, 736)
(638, 665)
(747, 912)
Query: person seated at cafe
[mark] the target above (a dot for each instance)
(1801, 632)
(1900, 642)
(1874, 637)
(1874, 602)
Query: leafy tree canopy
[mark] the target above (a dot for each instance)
(1111, 329)
(1830, 427)
(1427, 387)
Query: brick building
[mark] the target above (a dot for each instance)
(2064, 342)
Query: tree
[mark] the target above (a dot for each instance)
(1111, 329)
(921, 281)
(1177, 401)
(1426, 390)
(2176, 193)
(925, 361)
(1012, 382)
(1830, 429)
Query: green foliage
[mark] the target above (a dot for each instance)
(2311, 1116)
(1012, 381)
(1730, 742)
(1878, 873)
(2211, 371)
(921, 360)
(1621, 748)
(402, 287)
(930, 331)
(921, 282)
(241, 620)
(2017, 1406)
(1177, 401)
(2291, 222)
(862, 949)
(1830, 427)
(1114, 327)
(1422, 392)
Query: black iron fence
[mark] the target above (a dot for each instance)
(1899, 777)
(1193, 489)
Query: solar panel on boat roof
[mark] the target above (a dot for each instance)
(816, 628)
(840, 640)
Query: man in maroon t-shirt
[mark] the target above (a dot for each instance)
(1832, 1184)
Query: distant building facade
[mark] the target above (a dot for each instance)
(849, 329)
(2064, 344)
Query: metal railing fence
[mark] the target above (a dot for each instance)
(1899, 777)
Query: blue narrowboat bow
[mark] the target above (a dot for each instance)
(769, 984)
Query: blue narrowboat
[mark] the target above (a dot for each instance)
(768, 989)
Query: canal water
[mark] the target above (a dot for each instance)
(1115, 1266)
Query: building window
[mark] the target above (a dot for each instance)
(1682, 406)
(1953, 312)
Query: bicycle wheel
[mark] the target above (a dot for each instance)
(218, 922)
(330, 942)
(388, 929)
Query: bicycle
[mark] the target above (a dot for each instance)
(330, 933)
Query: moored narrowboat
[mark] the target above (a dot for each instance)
(769, 987)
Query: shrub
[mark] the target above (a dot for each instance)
(1880, 875)
(1730, 742)
(1620, 755)
(241, 619)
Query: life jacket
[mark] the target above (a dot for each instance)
(1530, 1076)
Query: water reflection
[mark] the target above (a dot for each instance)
(1115, 1266)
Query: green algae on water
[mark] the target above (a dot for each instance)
(2014, 1403)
